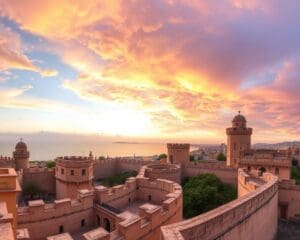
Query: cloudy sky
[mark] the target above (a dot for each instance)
(177, 69)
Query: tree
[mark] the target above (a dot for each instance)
(50, 164)
(205, 192)
(162, 156)
(295, 162)
(32, 190)
(221, 157)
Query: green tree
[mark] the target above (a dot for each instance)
(32, 190)
(205, 192)
(50, 164)
(296, 174)
(295, 162)
(117, 179)
(162, 156)
(221, 157)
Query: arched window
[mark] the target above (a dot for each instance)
(106, 224)
(249, 168)
(277, 171)
(98, 221)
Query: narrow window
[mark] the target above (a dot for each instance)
(83, 172)
(277, 171)
(62, 171)
(149, 197)
(61, 229)
(72, 172)
(82, 223)
(129, 200)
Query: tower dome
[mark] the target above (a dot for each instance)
(21, 146)
(239, 118)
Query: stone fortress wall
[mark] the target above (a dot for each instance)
(44, 178)
(238, 219)
(44, 220)
(226, 174)
(164, 206)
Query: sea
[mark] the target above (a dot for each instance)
(48, 147)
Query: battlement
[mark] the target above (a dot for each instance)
(178, 145)
(37, 210)
(239, 131)
(161, 202)
(38, 170)
(226, 220)
(4, 158)
(74, 158)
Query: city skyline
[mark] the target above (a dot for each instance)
(150, 69)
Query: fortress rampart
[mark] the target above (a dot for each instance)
(164, 206)
(235, 220)
(44, 178)
(6, 162)
(226, 174)
(44, 220)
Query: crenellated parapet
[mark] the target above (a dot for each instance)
(37, 210)
(178, 145)
(160, 203)
(237, 219)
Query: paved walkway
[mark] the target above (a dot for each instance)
(288, 230)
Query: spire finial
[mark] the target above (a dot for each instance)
(21, 139)
(239, 112)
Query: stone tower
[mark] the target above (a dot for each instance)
(21, 156)
(238, 140)
(178, 153)
(73, 174)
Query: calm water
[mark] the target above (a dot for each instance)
(48, 148)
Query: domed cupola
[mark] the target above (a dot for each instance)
(239, 121)
(21, 155)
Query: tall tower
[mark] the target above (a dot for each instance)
(238, 140)
(178, 153)
(73, 174)
(21, 155)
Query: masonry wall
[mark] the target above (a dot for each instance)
(44, 178)
(226, 174)
(104, 168)
(252, 216)
(44, 220)
(289, 198)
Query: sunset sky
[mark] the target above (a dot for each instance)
(159, 69)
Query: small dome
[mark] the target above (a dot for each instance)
(239, 118)
(21, 145)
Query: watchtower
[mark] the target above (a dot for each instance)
(72, 174)
(238, 140)
(178, 153)
(21, 155)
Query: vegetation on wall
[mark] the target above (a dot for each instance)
(205, 192)
(296, 174)
(117, 179)
(221, 157)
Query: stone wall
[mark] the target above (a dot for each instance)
(252, 216)
(44, 220)
(289, 199)
(166, 195)
(226, 174)
(104, 168)
(44, 178)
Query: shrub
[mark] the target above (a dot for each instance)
(205, 192)
(221, 157)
